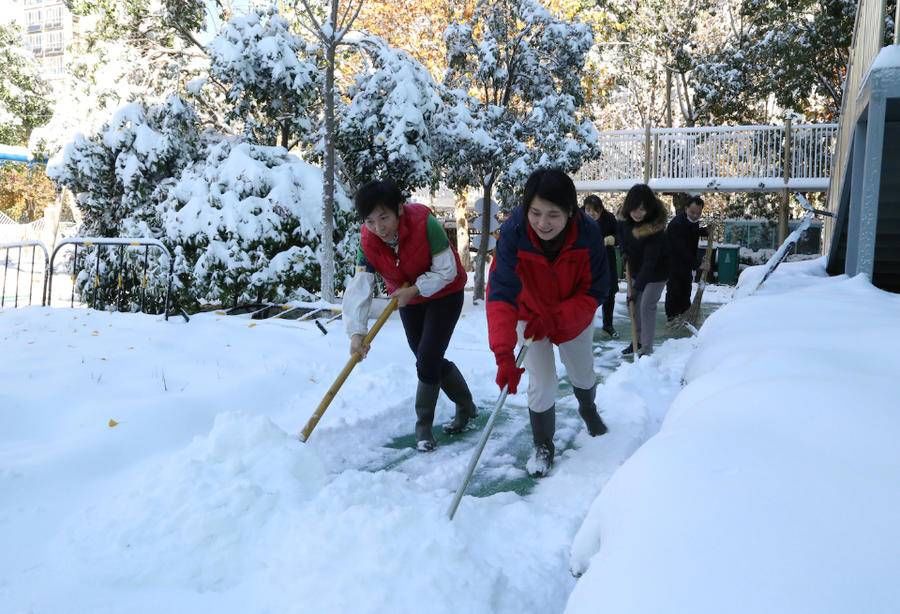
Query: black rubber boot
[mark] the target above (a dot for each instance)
(587, 409)
(543, 426)
(426, 399)
(454, 386)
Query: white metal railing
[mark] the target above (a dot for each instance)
(713, 157)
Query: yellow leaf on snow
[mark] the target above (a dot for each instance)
(112, 423)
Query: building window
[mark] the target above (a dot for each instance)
(52, 17)
(34, 20)
(53, 66)
(53, 42)
(36, 44)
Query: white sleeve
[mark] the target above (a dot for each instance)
(441, 273)
(356, 303)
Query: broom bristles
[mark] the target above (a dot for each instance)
(692, 315)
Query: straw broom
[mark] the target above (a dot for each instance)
(692, 315)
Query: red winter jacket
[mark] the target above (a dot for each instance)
(523, 282)
(413, 255)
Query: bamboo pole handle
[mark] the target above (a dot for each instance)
(345, 372)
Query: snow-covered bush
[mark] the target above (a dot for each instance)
(118, 176)
(246, 222)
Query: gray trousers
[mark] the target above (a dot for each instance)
(645, 303)
(577, 356)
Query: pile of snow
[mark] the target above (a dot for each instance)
(772, 485)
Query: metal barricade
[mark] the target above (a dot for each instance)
(34, 245)
(124, 244)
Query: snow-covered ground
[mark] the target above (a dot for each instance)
(150, 466)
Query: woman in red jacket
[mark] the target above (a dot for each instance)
(405, 244)
(547, 279)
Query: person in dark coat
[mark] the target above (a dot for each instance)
(683, 235)
(642, 236)
(594, 208)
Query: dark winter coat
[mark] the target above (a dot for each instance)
(609, 227)
(645, 249)
(683, 236)
(413, 255)
(524, 282)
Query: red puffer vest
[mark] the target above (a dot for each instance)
(413, 255)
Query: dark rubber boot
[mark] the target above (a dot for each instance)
(426, 399)
(587, 409)
(454, 386)
(543, 426)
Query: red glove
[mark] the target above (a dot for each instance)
(538, 328)
(508, 374)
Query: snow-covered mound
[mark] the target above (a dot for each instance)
(772, 485)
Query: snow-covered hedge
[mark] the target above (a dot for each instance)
(117, 176)
(245, 224)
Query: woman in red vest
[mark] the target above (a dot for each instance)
(405, 244)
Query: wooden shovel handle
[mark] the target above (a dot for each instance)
(342, 376)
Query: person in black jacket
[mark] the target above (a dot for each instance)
(594, 208)
(683, 234)
(643, 240)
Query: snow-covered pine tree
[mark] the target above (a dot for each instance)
(523, 68)
(118, 176)
(794, 54)
(245, 221)
(24, 95)
(386, 130)
(273, 80)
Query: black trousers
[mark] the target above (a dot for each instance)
(429, 326)
(678, 293)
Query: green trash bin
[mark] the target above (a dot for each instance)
(727, 263)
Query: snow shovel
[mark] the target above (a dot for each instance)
(473, 462)
(634, 339)
(342, 376)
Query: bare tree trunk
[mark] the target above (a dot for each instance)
(668, 97)
(481, 258)
(462, 230)
(327, 250)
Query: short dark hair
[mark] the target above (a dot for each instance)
(384, 192)
(552, 185)
(592, 201)
(639, 195)
(694, 200)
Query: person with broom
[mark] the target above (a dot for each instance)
(643, 241)
(405, 244)
(683, 234)
(548, 277)
(595, 210)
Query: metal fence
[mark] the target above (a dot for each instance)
(11, 255)
(131, 284)
(730, 158)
